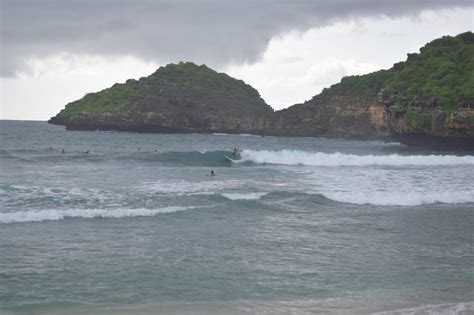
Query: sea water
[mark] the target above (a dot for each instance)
(293, 226)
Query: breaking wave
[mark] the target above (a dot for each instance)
(401, 199)
(296, 157)
(239, 196)
(56, 215)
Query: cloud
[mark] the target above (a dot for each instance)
(215, 32)
(298, 65)
(50, 83)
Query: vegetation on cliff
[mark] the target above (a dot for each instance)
(442, 74)
(187, 74)
(443, 68)
(170, 84)
(431, 94)
(367, 85)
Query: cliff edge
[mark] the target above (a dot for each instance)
(427, 100)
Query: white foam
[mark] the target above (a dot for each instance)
(436, 309)
(55, 215)
(249, 196)
(247, 135)
(182, 187)
(296, 157)
(407, 198)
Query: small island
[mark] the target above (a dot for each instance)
(427, 100)
(177, 98)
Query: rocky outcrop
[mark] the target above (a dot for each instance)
(432, 127)
(427, 100)
(183, 98)
(333, 117)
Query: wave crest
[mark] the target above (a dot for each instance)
(297, 157)
(56, 215)
(405, 199)
(242, 196)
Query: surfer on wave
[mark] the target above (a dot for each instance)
(235, 151)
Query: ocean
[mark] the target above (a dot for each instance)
(293, 226)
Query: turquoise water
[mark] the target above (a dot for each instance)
(295, 226)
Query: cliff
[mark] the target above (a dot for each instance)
(341, 116)
(430, 97)
(427, 100)
(180, 97)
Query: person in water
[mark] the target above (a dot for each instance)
(63, 151)
(212, 174)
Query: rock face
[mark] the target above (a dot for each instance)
(430, 97)
(434, 128)
(427, 100)
(333, 117)
(176, 98)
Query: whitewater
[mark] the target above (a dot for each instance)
(289, 226)
(297, 157)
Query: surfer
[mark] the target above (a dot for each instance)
(212, 174)
(234, 151)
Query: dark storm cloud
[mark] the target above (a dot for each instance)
(212, 32)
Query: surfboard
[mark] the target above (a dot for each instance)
(230, 159)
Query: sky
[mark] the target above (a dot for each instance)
(55, 51)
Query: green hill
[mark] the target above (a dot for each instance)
(442, 74)
(170, 85)
(180, 97)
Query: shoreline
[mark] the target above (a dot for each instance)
(332, 306)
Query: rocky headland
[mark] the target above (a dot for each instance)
(177, 98)
(427, 100)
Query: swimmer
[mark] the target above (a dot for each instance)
(63, 151)
(212, 174)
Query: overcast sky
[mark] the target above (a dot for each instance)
(55, 51)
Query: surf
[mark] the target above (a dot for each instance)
(297, 157)
(402, 198)
(57, 215)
